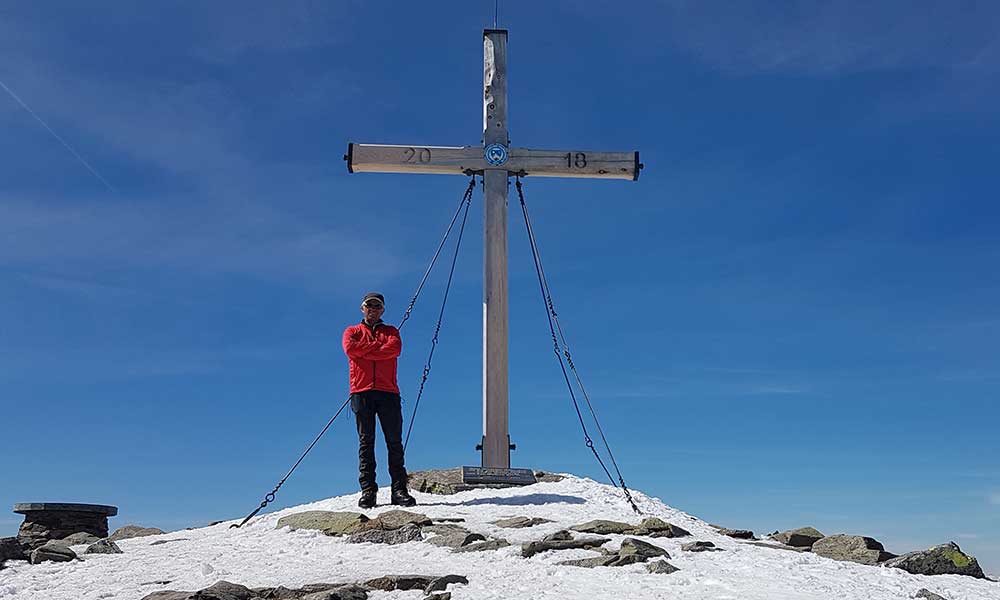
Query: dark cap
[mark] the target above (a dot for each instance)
(373, 296)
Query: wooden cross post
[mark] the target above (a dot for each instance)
(495, 161)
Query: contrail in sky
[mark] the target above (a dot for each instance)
(56, 135)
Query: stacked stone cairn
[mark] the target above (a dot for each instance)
(49, 529)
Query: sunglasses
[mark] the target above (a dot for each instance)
(373, 305)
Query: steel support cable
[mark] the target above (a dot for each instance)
(467, 199)
(554, 326)
(269, 497)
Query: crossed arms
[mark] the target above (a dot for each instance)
(359, 343)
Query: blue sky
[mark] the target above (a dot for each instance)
(791, 319)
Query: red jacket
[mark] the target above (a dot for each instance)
(372, 352)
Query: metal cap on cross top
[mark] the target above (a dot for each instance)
(495, 160)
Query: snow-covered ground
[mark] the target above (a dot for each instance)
(259, 555)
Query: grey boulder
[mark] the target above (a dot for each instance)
(53, 551)
(440, 584)
(661, 567)
(946, 559)
(851, 548)
(133, 531)
(927, 595)
(644, 550)
(11, 549)
(485, 545)
(407, 533)
(532, 548)
(603, 527)
(344, 592)
(456, 539)
(80, 537)
(327, 521)
(389, 583)
(632, 551)
(803, 537)
(740, 534)
(103, 547)
(699, 547)
(520, 522)
(658, 528)
(395, 519)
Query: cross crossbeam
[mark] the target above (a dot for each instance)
(468, 160)
(495, 161)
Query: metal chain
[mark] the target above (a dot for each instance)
(467, 200)
(269, 498)
(554, 325)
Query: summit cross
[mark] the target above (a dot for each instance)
(495, 161)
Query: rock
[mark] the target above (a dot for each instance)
(644, 550)
(395, 519)
(456, 539)
(103, 547)
(441, 583)
(700, 547)
(133, 531)
(342, 592)
(11, 549)
(777, 546)
(449, 481)
(224, 590)
(946, 559)
(161, 542)
(544, 477)
(168, 595)
(444, 529)
(607, 560)
(661, 567)
(79, 538)
(329, 522)
(532, 548)
(314, 591)
(654, 527)
(803, 537)
(740, 534)
(389, 583)
(559, 536)
(852, 548)
(632, 551)
(520, 522)
(927, 595)
(54, 551)
(602, 527)
(407, 533)
(483, 546)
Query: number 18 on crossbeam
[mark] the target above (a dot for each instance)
(495, 161)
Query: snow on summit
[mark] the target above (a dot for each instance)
(259, 555)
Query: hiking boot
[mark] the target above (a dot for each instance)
(367, 499)
(401, 497)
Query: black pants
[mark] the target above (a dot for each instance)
(386, 406)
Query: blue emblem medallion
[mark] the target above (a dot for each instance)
(496, 154)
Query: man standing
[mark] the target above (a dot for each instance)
(372, 348)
